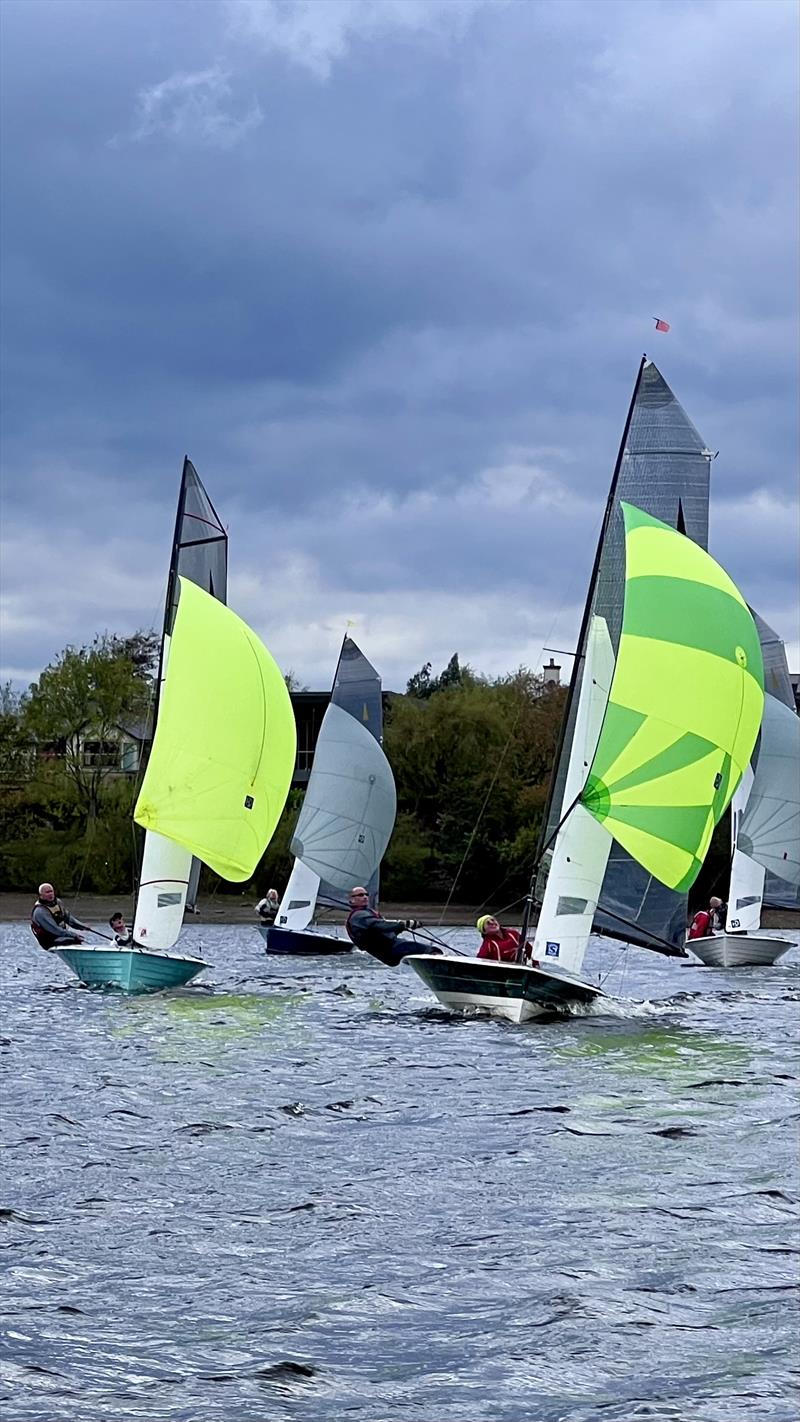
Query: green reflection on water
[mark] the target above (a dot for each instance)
(176, 1025)
(665, 1050)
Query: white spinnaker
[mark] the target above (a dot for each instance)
(770, 827)
(746, 892)
(296, 908)
(165, 871)
(350, 805)
(582, 846)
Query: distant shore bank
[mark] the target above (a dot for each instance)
(97, 908)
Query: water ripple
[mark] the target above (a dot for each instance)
(306, 1191)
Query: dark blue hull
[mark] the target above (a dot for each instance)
(304, 941)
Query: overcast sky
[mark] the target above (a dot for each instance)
(385, 269)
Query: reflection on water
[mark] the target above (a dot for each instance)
(305, 1191)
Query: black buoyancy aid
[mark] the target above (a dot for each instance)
(45, 939)
(354, 934)
(374, 938)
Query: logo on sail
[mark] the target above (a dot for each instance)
(552, 950)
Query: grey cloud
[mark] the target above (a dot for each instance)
(441, 260)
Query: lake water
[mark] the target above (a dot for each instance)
(307, 1192)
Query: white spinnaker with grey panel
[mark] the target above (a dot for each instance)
(348, 812)
(770, 826)
(582, 846)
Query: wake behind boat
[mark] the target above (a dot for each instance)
(665, 704)
(221, 762)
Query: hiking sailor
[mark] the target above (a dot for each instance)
(377, 935)
(51, 924)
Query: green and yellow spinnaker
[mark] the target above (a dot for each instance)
(685, 704)
(224, 749)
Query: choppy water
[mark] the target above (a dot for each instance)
(312, 1194)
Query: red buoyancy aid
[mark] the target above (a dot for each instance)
(502, 947)
(701, 925)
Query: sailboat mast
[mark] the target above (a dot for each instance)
(579, 653)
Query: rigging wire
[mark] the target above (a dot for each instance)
(568, 591)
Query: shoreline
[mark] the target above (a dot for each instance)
(227, 909)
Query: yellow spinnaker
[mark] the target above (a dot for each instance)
(224, 749)
(685, 704)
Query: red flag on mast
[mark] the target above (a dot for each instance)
(661, 325)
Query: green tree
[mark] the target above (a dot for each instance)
(423, 685)
(90, 693)
(472, 765)
(16, 749)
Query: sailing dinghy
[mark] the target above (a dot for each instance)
(765, 829)
(347, 816)
(664, 709)
(221, 762)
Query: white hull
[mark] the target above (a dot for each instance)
(510, 991)
(509, 1011)
(739, 950)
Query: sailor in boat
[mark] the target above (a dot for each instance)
(719, 913)
(51, 924)
(700, 926)
(497, 942)
(709, 921)
(377, 935)
(267, 907)
(122, 934)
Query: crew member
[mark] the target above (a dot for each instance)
(50, 921)
(377, 935)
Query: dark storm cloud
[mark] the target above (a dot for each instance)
(386, 271)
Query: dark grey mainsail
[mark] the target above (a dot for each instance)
(663, 467)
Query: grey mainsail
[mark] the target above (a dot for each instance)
(663, 468)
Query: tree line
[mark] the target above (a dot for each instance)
(471, 757)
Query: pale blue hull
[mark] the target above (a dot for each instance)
(130, 970)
